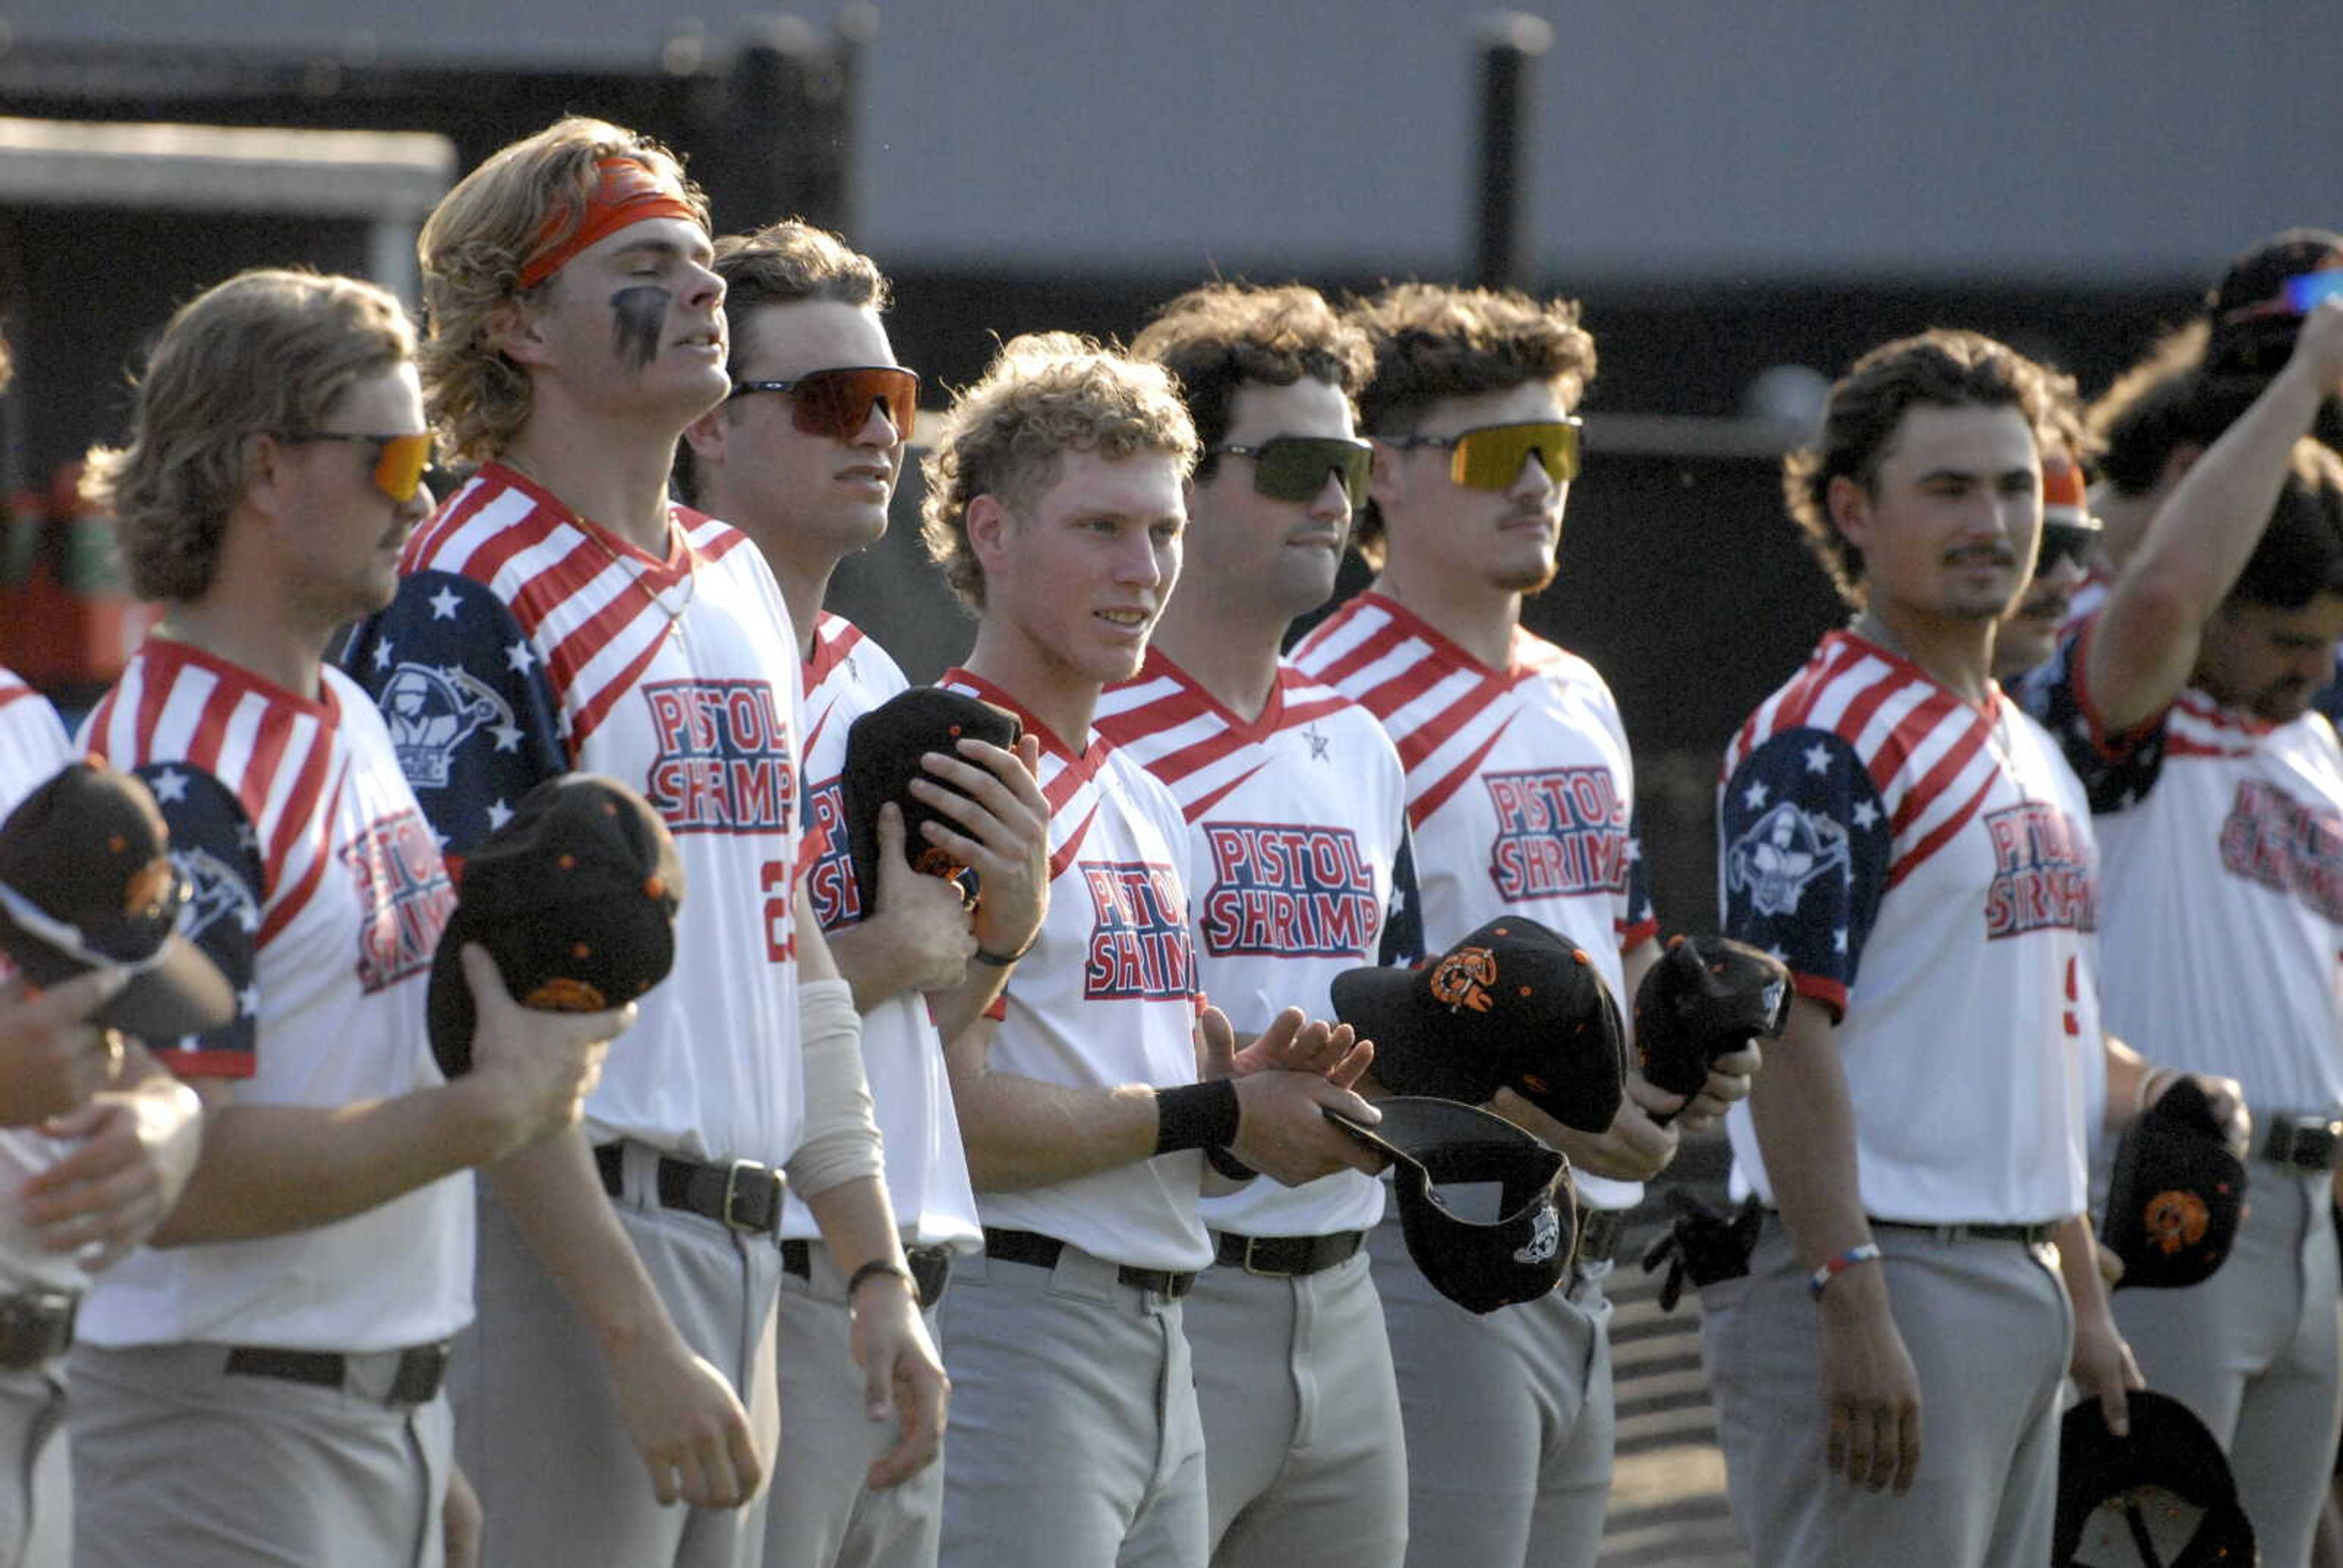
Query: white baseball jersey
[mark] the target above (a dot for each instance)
(526, 642)
(1920, 863)
(1519, 789)
(902, 1054)
(1297, 841)
(2224, 843)
(1107, 995)
(321, 894)
(32, 747)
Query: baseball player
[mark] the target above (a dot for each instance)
(1054, 506)
(1520, 794)
(558, 612)
(1893, 830)
(1297, 843)
(285, 1374)
(803, 458)
(2184, 703)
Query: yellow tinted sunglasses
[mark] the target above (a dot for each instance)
(398, 463)
(1490, 456)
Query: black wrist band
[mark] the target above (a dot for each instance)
(1229, 1165)
(1196, 1116)
(992, 959)
(875, 1266)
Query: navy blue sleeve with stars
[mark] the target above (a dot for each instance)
(1638, 922)
(2116, 771)
(1806, 847)
(1402, 940)
(215, 848)
(467, 704)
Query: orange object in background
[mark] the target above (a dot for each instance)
(67, 622)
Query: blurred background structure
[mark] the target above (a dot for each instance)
(1743, 197)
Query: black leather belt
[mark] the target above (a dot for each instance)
(36, 1326)
(1290, 1257)
(743, 1194)
(421, 1368)
(1041, 1251)
(2033, 1235)
(2305, 1141)
(1599, 1231)
(931, 1267)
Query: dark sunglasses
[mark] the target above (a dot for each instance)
(399, 460)
(1491, 457)
(836, 402)
(2065, 542)
(1294, 467)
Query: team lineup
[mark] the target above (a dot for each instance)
(531, 1041)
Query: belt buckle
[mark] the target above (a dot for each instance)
(1251, 1242)
(732, 1194)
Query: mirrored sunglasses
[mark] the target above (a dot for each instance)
(836, 402)
(1294, 467)
(398, 462)
(2064, 542)
(1489, 457)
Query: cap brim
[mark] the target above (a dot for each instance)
(182, 993)
(450, 1013)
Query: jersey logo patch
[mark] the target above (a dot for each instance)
(431, 711)
(1287, 891)
(1546, 1239)
(1559, 830)
(404, 897)
(1784, 850)
(1138, 949)
(830, 880)
(215, 893)
(2274, 840)
(724, 763)
(2042, 876)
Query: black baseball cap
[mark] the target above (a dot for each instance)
(1512, 1006)
(86, 882)
(1700, 998)
(574, 897)
(2177, 1194)
(2253, 327)
(883, 750)
(1520, 1255)
(2162, 1497)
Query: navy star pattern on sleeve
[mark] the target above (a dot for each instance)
(1638, 922)
(215, 849)
(1808, 846)
(1402, 939)
(467, 701)
(2116, 771)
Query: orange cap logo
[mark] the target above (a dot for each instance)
(2176, 1219)
(561, 994)
(1463, 979)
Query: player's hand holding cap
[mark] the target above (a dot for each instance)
(883, 750)
(575, 900)
(2162, 1497)
(86, 882)
(1512, 1006)
(2177, 1194)
(1519, 1255)
(1705, 996)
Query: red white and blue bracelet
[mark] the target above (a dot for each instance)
(1866, 1253)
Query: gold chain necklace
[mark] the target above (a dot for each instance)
(634, 572)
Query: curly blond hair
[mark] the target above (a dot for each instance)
(268, 351)
(1432, 342)
(473, 248)
(1215, 338)
(1045, 394)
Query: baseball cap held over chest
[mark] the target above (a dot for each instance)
(882, 757)
(1521, 1253)
(86, 882)
(1512, 1006)
(574, 897)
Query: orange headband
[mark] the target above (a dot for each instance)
(627, 194)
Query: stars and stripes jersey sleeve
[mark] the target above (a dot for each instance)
(1804, 858)
(214, 847)
(2117, 770)
(465, 696)
(1402, 939)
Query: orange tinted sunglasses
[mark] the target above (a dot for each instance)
(398, 462)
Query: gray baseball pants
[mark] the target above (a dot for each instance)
(36, 1475)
